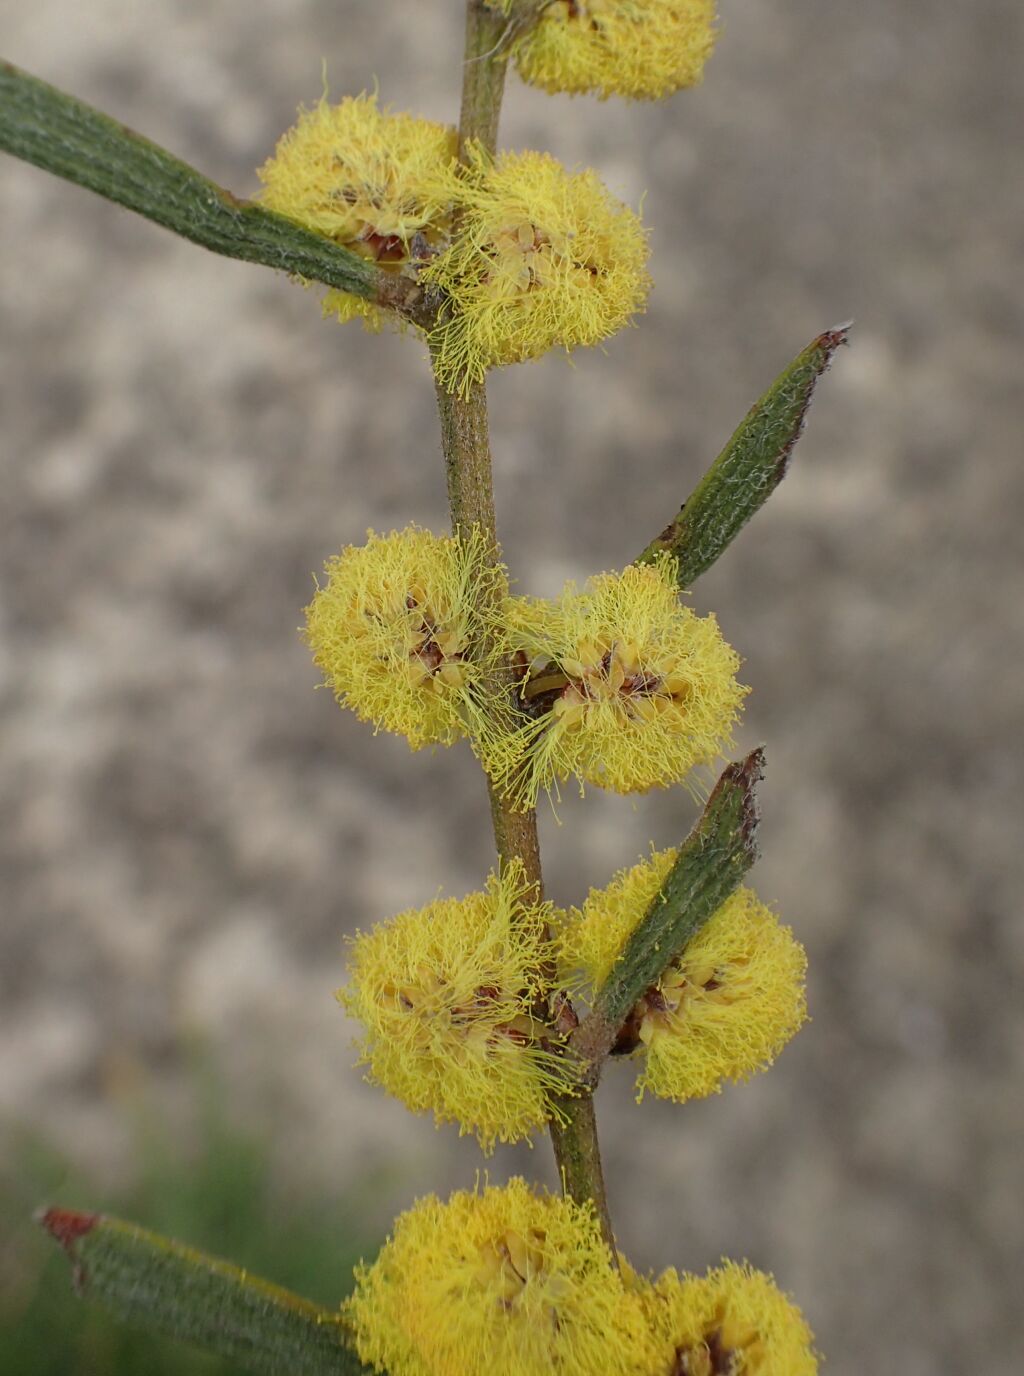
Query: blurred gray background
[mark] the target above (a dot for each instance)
(187, 829)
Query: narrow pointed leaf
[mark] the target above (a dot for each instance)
(749, 468)
(63, 135)
(159, 1284)
(711, 864)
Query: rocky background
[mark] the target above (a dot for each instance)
(187, 829)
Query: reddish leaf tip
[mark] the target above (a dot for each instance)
(836, 336)
(66, 1226)
(751, 769)
(745, 775)
(751, 774)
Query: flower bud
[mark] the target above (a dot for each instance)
(448, 996)
(640, 49)
(622, 686)
(394, 627)
(543, 259)
(507, 1282)
(723, 1009)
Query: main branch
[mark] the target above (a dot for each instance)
(467, 454)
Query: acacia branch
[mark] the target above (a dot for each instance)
(467, 454)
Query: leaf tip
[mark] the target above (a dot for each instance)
(751, 772)
(741, 778)
(66, 1226)
(833, 339)
(817, 359)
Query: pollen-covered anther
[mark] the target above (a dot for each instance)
(711, 1356)
(615, 675)
(437, 644)
(522, 258)
(664, 1004)
(514, 1260)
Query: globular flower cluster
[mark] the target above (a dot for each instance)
(523, 1280)
(379, 183)
(621, 686)
(527, 1287)
(723, 1009)
(733, 1321)
(525, 256)
(395, 626)
(544, 259)
(640, 49)
(448, 999)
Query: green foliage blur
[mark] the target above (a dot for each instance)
(220, 1194)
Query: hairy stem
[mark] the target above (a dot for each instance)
(579, 1160)
(467, 458)
(483, 77)
(467, 455)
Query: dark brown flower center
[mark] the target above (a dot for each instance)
(708, 1358)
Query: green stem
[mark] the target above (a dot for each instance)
(483, 78)
(467, 458)
(579, 1159)
(467, 454)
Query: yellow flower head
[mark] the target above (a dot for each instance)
(447, 996)
(378, 183)
(544, 258)
(508, 1282)
(394, 626)
(641, 49)
(734, 1320)
(725, 1007)
(622, 686)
